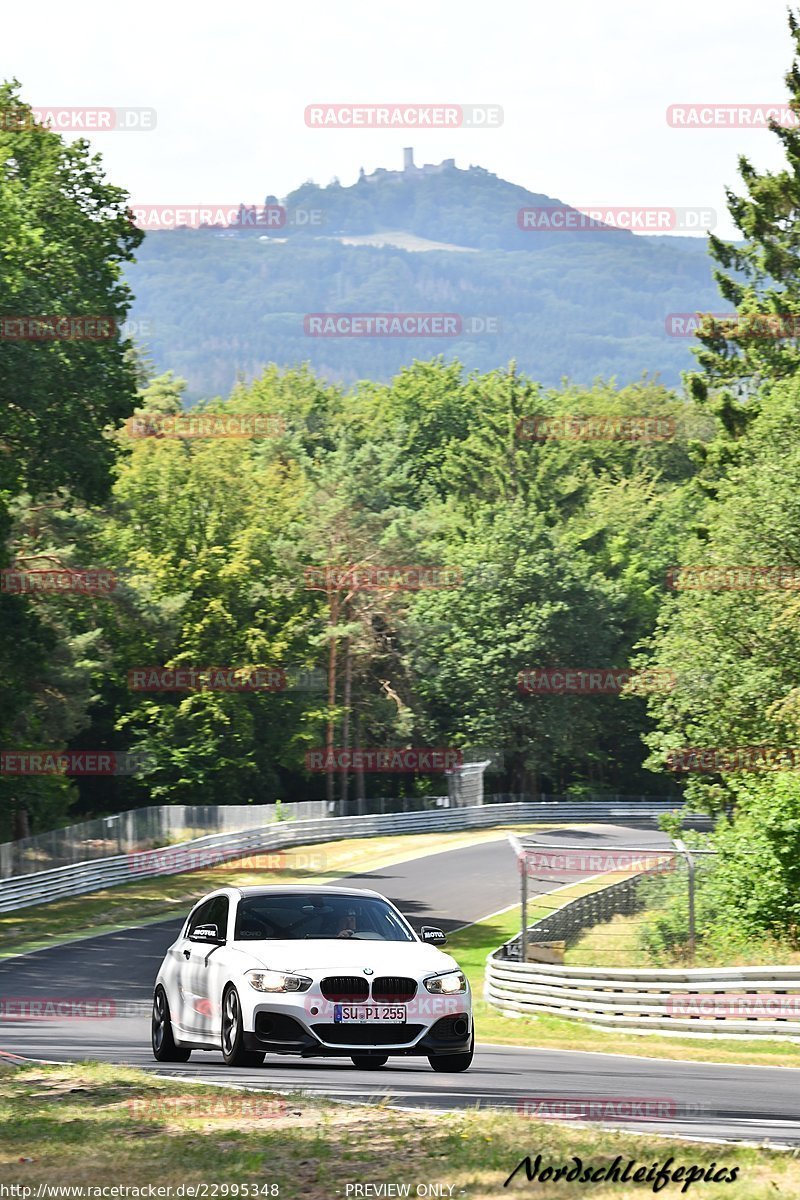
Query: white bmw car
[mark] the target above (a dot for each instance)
(311, 971)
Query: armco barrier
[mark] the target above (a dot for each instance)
(165, 824)
(77, 879)
(644, 1001)
(143, 828)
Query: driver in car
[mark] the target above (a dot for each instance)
(347, 924)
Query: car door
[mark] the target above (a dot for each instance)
(189, 975)
(202, 971)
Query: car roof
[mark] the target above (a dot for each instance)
(309, 889)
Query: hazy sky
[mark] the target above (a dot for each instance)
(584, 88)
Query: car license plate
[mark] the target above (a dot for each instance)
(367, 1014)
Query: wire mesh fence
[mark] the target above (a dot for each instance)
(590, 904)
(164, 825)
(159, 826)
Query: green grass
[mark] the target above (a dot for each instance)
(616, 943)
(613, 943)
(99, 1125)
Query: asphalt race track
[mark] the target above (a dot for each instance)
(450, 889)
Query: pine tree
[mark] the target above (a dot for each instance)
(760, 279)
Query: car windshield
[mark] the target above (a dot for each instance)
(297, 916)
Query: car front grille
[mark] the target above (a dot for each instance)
(367, 1035)
(344, 988)
(394, 989)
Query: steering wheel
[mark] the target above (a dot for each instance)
(301, 920)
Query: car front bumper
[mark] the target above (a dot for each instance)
(435, 1025)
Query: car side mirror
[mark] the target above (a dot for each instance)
(436, 937)
(208, 934)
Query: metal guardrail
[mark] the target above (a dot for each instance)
(164, 824)
(640, 1001)
(650, 999)
(42, 887)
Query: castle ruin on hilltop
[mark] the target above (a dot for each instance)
(409, 171)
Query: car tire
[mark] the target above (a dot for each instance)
(369, 1062)
(232, 1034)
(161, 1036)
(453, 1062)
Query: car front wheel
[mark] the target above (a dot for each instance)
(164, 1048)
(369, 1062)
(453, 1062)
(233, 1050)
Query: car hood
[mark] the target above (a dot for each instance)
(342, 954)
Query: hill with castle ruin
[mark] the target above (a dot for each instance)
(221, 302)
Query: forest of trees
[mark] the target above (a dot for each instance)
(558, 551)
(215, 307)
(558, 554)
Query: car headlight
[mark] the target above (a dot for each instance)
(277, 981)
(448, 984)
